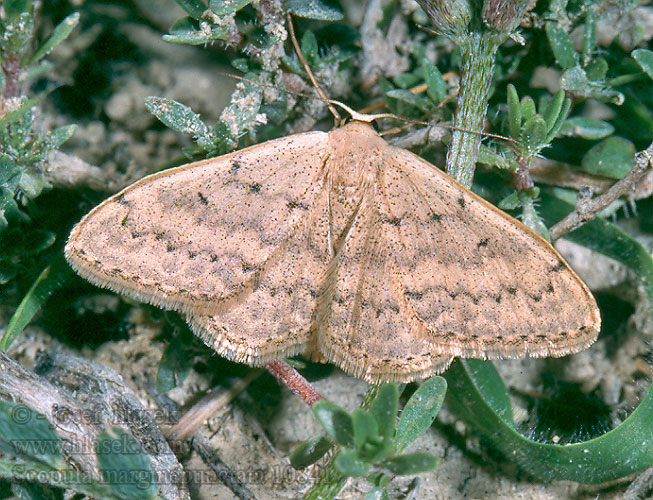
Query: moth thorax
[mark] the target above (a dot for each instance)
(354, 168)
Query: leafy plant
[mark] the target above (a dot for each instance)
(23, 145)
(368, 443)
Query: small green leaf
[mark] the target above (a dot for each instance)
(613, 157)
(174, 367)
(514, 112)
(125, 466)
(561, 45)
(411, 463)
(177, 116)
(597, 70)
(60, 33)
(527, 109)
(384, 409)
(194, 8)
(224, 7)
(51, 279)
(187, 31)
(552, 110)
(644, 58)
(28, 434)
(349, 463)
(406, 80)
(365, 427)
(420, 411)
(59, 135)
(337, 422)
(19, 113)
(377, 493)
(587, 128)
(309, 452)
(31, 183)
(533, 135)
(557, 125)
(574, 80)
(309, 46)
(314, 9)
(489, 156)
(435, 86)
(510, 202)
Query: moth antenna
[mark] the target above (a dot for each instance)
(364, 117)
(319, 90)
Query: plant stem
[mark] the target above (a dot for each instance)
(294, 381)
(478, 53)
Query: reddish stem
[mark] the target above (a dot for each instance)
(294, 381)
(11, 69)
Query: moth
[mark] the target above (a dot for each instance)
(339, 247)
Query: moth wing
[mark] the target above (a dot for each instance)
(369, 330)
(482, 283)
(195, 237)
(274, 320)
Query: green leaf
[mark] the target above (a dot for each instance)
(561, 45)
(28, 434)
(337, 422)
(557, 125)
(349, 463)
(60, 33)
(31, 183)
(514, 112)
(644, 58)
(613, 157)
(597, 70)
(435, 86)
(59, 135)
(178, 117)
(489, 156)
(174, 367)
(384, 410)
(365, 427)
(587, 128)
(187, 31)
(18, 113)
(420, 411)
(411, 463)
(224, 7)
(533, 135)
(527, 109)
(194, 8)
(309, 46)
(314, 9)
(377, 493)
(125, 466)
(51, 279)
(553, 109)
(309, 452)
